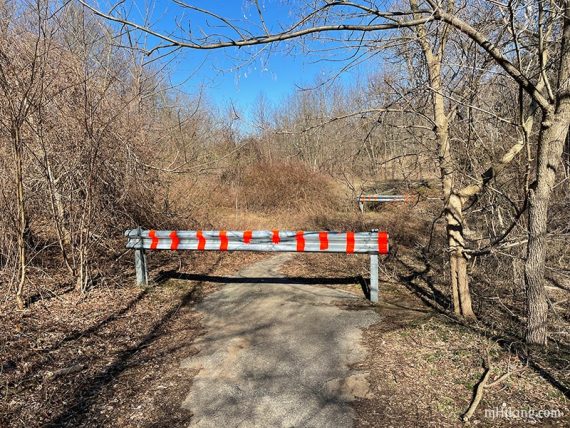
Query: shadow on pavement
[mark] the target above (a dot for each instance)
(297, 280)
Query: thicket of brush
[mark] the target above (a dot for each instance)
(94, 141)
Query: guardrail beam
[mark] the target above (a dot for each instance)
(373, 243)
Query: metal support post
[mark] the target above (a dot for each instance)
(374, 277)
(140, 264)
(140, 268)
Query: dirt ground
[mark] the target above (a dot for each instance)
(424, 365)
(111, 359)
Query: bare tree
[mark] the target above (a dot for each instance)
(85, 134)
(360, 22)
(21, 85)
(554, 103)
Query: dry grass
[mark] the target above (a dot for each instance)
(423, 364)
(262, 196)
(110, 359)
(424, 371)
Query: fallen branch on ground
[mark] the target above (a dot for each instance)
(482, 385)
(65, 371)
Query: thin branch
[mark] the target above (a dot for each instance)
(256, 40)
(494, 52)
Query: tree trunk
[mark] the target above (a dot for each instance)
(551, 146)
(537, 306)
(22, 220)
(567, 156)
(453, 203)
(553, 134)
(457, 259)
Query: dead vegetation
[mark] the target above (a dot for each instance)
(434, 361)
(95, 141)
(111, 359)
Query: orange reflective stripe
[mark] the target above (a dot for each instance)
(275, 237)
(383, 242)
(201, 240)
(324, 240)
(154, 239)
(350, 242)
(223, 240)
(247, 236)
(175, 240)
(300, 241)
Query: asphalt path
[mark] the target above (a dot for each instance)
(277, 354)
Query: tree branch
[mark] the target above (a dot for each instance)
(494, 52)
(256, 40)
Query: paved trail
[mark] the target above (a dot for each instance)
(277, 355)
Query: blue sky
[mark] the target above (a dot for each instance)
(274, 77)
(239, 77)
